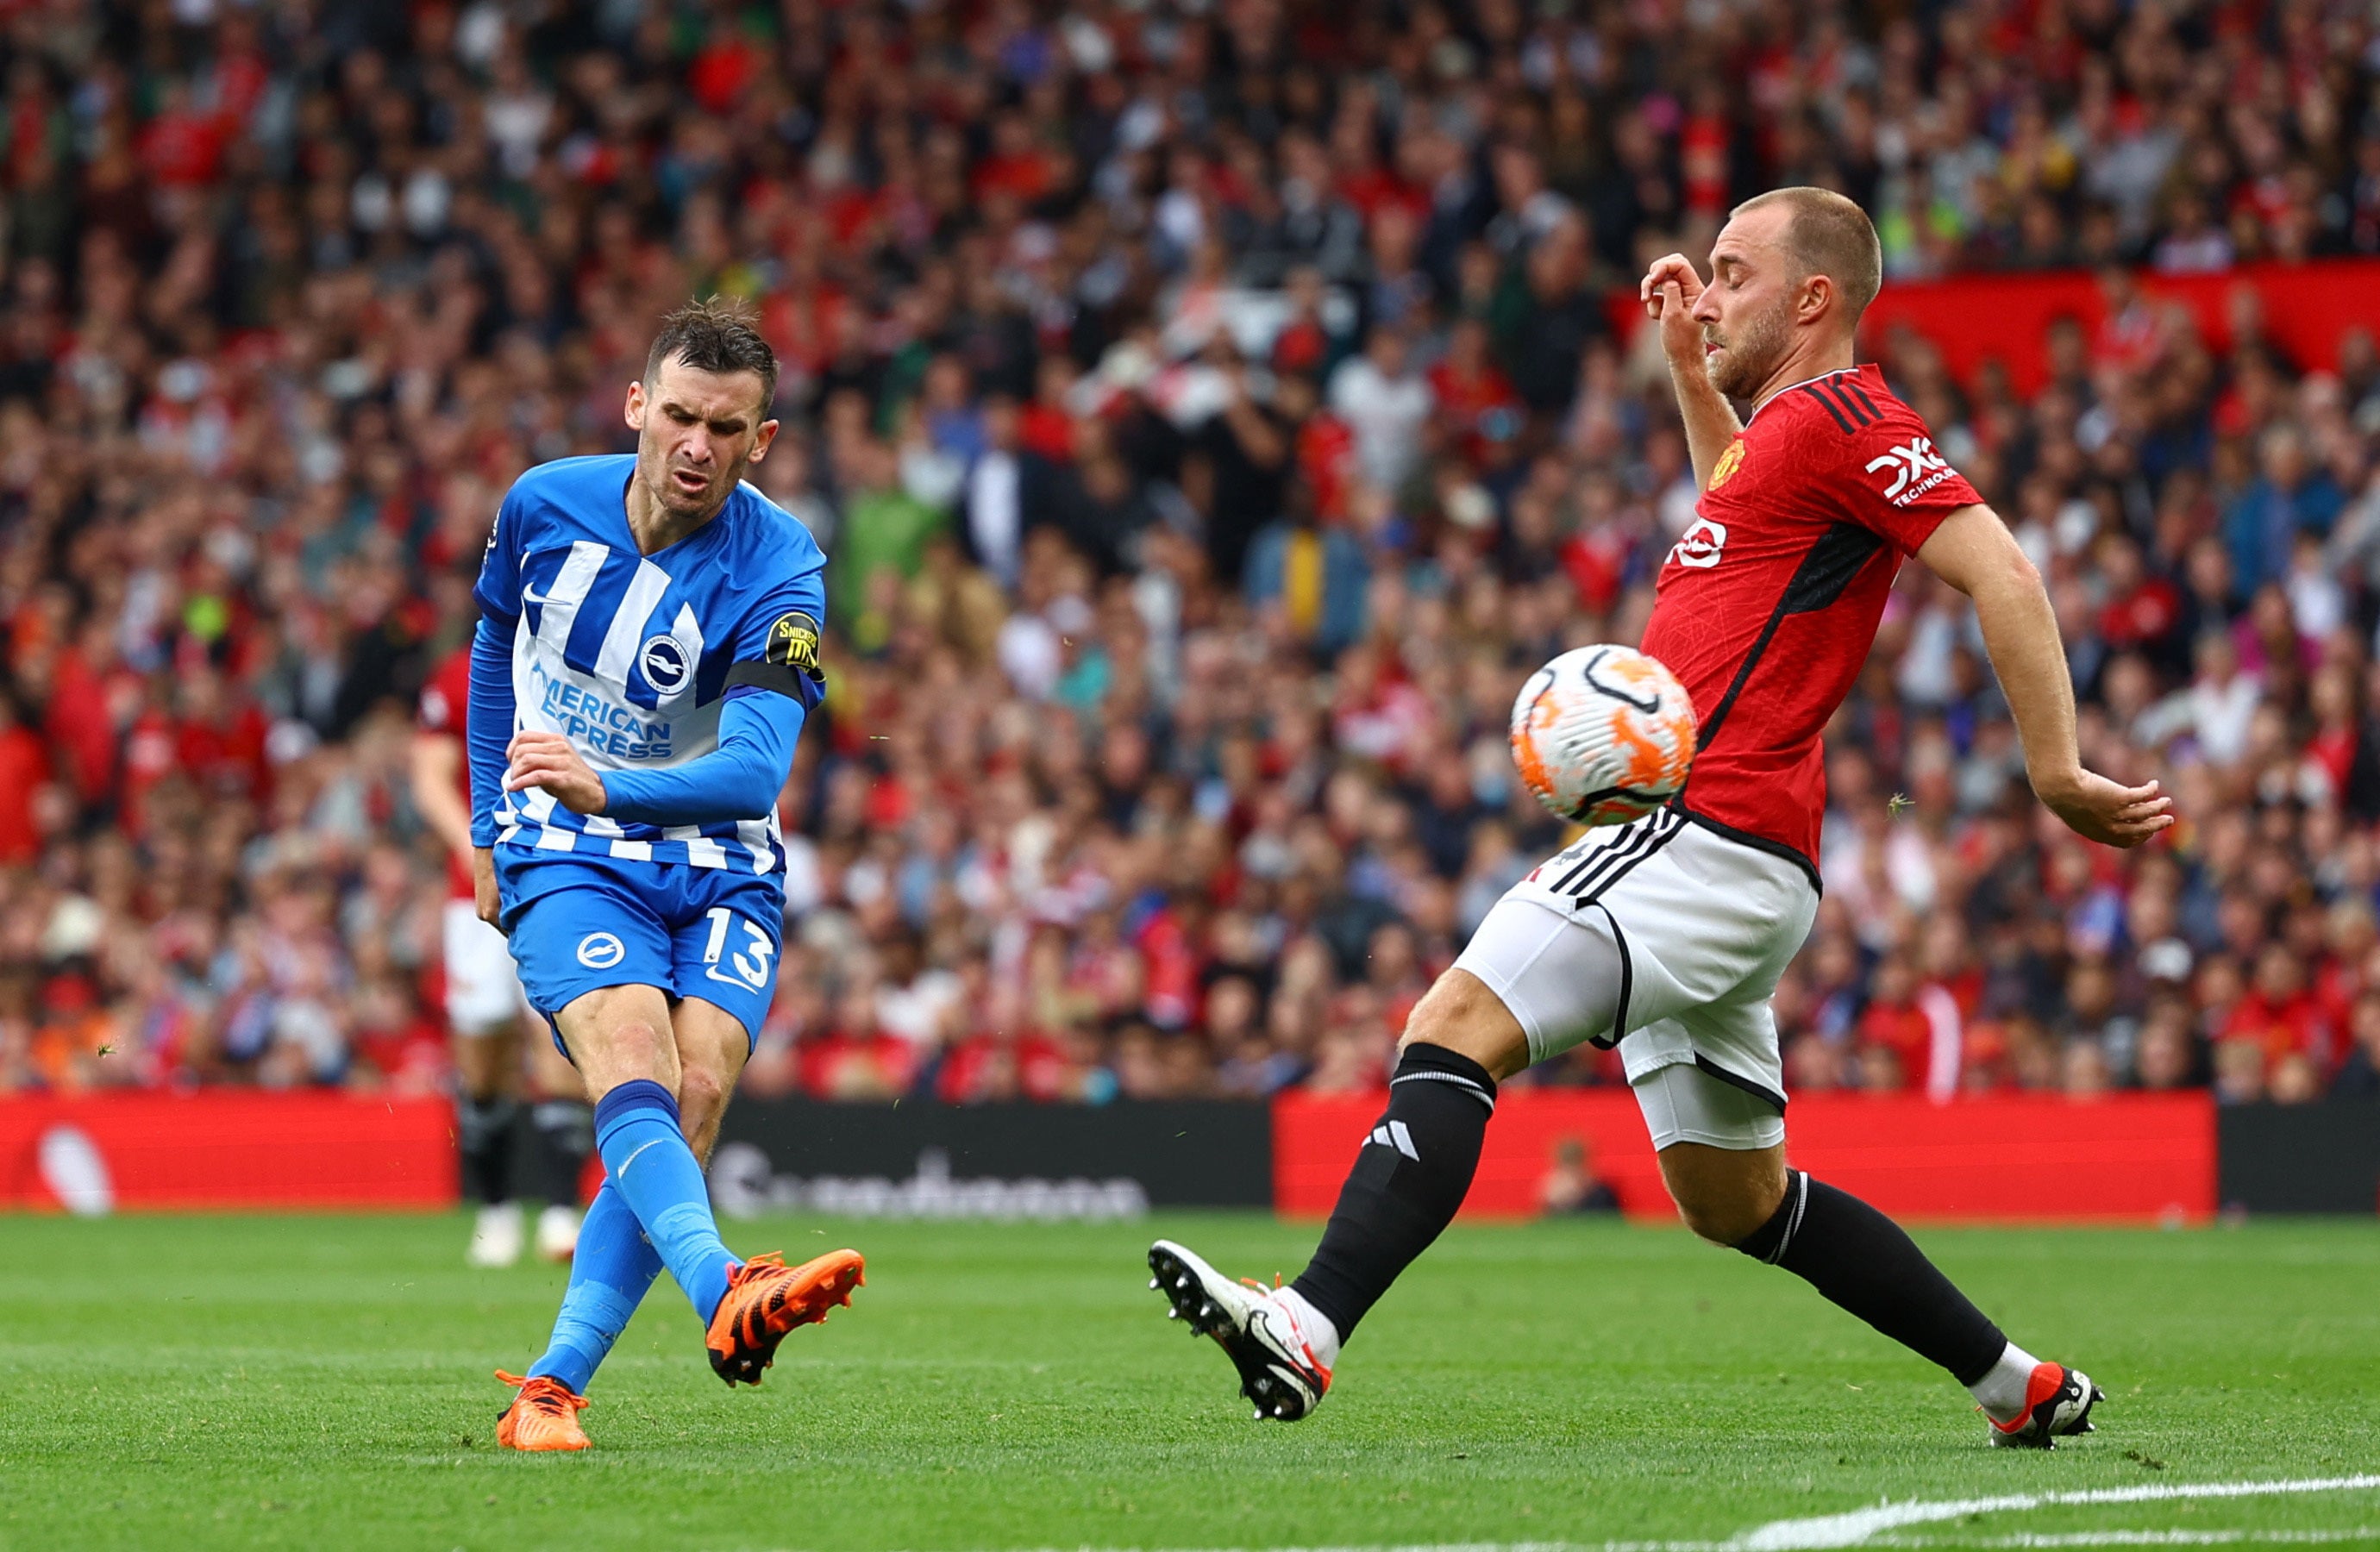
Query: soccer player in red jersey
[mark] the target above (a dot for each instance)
(491, 1020)
(1665, 937)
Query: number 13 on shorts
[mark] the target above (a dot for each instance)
(727, 956)
(739, 952)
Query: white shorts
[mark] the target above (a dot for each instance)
(483, 989)
(1665, 938)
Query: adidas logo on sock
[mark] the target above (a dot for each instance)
(1393, 1134)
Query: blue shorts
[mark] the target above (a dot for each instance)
(578, 923)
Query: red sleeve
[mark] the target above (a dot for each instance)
(446, 700)
(1896, 481)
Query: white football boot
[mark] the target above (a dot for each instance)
(557, 1233)
(1278, 1369)
(496, 1237)
(2057, 1402)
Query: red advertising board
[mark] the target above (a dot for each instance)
(2129, 1158)
(226, 1150)
(2018, 1158)
(1972, 318)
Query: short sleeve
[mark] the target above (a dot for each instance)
(498, 590)
(1896, 481)
(777, 644)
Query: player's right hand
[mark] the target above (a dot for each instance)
(2098, 809)
(1670, 290)
(548, 761)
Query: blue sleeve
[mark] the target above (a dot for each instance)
(775, 646)
(739, 780)
(498, 591)
(489, 727)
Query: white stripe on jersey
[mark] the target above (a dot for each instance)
(603, 827)
(756, 836)
(610, 727)
(571, 586)
(627, 628)
(688, 631)
(700, 850)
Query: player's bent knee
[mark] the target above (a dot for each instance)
(1721, 1223)
(1461, 1014)
(630, 1050)
(1723, 1195)
(701, 1092)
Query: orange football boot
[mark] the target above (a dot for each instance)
(766, 1299)
(543, 1417)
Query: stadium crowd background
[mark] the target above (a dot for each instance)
(1212, 415)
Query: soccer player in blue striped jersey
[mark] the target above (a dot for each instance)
(647, 652)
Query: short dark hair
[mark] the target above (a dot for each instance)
(1830, 235)
(715, 334)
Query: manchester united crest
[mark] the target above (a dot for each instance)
(1728, 462)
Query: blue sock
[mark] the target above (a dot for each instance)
(613, 1265)
(648, 1162)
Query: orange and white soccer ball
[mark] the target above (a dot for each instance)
(1603, 734)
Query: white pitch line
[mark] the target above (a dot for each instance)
(2028, 1540)
(1851, 1530)
(2146, 1538)
(1867, 1527)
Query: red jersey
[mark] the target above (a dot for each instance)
(1769, 603)
(446, 707)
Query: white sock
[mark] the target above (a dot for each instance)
(1320, 1334)
(2001, 1392)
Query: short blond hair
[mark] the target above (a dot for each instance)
(1829, 234)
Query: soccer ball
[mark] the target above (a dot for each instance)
(1603, 734)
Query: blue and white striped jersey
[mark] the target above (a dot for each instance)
(631, 656)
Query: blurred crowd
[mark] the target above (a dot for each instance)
(1212, 412)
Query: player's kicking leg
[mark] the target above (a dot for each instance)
(1569, 979)
(614, 1264)
(659, 1066)
(654, 1208)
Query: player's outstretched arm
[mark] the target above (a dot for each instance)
(1973, 551)
(1670, 290)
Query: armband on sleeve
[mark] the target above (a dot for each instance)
(789, 661)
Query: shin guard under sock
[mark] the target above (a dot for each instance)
(1861, 1260)
(484, 1133)
(1411, 1176)
(648, 1162)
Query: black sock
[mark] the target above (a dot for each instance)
(1406, 1185)
(1861, 1259)
(566, 1135)
(485, 1129)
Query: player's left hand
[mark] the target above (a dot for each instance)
(2098, 809)
(546, 759)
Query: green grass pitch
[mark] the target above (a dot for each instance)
(187, 1383)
